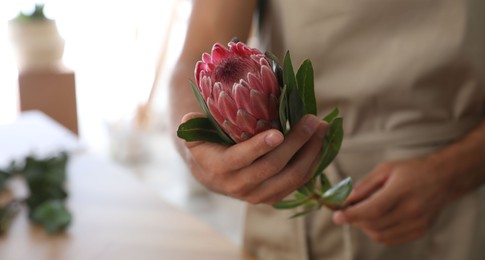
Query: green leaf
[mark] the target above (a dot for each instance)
(52, 215)
(45, 179)
(45, 172)
(4, 176)
(334, 139)
(306, 189)
(332, 144)
(309, 187)
(288, 73)
(305, 82)
(335, 197)
(199, 129)
(324, 183)
(283, 110)
(42, 192)
(202, 103)
(288, 204)
(300, 195)
(303, 213)
(296, 108)
(7, 213)
(332, 115)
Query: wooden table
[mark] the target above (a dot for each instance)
(116, 217)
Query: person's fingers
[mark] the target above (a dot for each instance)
(273, 162)
(295, 174)
(410, 209)
(236, 156)
(361, 191)
(281, 195)
(370, 183)
(245, 153)
(245, 165)
(191, 115)
(373, 208)
(400, 233)
(219, 160)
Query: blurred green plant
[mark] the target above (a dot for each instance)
(36, 15)
(45, 179)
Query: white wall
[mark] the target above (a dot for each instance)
(113, 48)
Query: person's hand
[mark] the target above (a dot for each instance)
(265, 168)
(397, 202)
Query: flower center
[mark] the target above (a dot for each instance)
(233, 69)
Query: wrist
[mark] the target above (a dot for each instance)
(459, 169)
(447, 174)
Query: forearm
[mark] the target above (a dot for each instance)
(211, 21)
(462, 164)
(181, 99)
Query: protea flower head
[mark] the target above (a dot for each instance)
(240, 89)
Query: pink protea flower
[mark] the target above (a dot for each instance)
(240, 89)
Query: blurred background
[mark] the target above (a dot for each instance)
(113, 48)
(120, 54)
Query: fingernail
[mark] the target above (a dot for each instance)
(273, 139)
(339, 218)
(310, 124)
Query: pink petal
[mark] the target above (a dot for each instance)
(241, 96)
(245, 121)
(263, 61)
(206, 58)
(210, 68)
(231, 45)
(227, 107)
(257, 58)
(262, 125)
(249, 51)
(245, 136)
(255, 51)
(269, 81)
(199, 67)
(219, 53)
(241, 50)
(254, 82)
(234, 49)
(254, 68)
(217, 90)
(244, 83)
(232, 130)
(216, 114)
(259, 105)
(226, 86)
(202, 74)
(205, 87)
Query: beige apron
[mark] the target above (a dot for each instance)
(408, 76)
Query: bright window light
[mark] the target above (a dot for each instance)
(113, 48)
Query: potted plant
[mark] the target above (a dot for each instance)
(36, 39)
